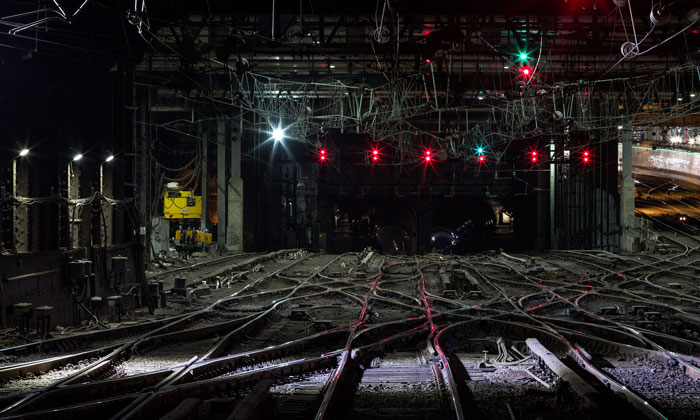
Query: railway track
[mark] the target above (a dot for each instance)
(488, 336)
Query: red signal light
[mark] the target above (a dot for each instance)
(375, 155)
(534, 156)
(586, 157)
(482, 158)
(322, 155)
(428, 156)
(526, 72)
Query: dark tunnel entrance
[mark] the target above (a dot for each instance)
(385, 223)
(467, 224)
(407, 225)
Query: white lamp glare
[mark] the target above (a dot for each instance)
(278, 134)
(24, 152)
(77, 157)
(109, 158)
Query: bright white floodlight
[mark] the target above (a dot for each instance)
(109, 158)
(24, 152)
(277, 134)
(77, 157)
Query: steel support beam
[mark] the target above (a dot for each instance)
(204, 178)
(221, 183)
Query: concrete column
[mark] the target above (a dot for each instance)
(626, 192)
(142, 176)
(552, 197)
(542, 235)
(85, 188)
(204, 178)
(20, 187)
(221, 183)
(234, 200)
(73, 193)
(107, 190)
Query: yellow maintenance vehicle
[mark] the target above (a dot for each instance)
(182, 205)
(186, 208)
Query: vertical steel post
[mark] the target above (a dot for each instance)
(221, 183)
(273, 19)
(204, 178)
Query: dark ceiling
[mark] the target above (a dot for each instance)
(567, 39)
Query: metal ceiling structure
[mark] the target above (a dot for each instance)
(383, 67)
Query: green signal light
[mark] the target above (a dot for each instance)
(523, 56)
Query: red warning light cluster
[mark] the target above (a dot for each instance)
(533, 156)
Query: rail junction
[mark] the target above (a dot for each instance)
(296, 335)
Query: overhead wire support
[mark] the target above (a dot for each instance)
(634, 29)
(62, 16)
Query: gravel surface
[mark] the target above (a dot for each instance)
(32, 382)
(527, 398)
(667, 389)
